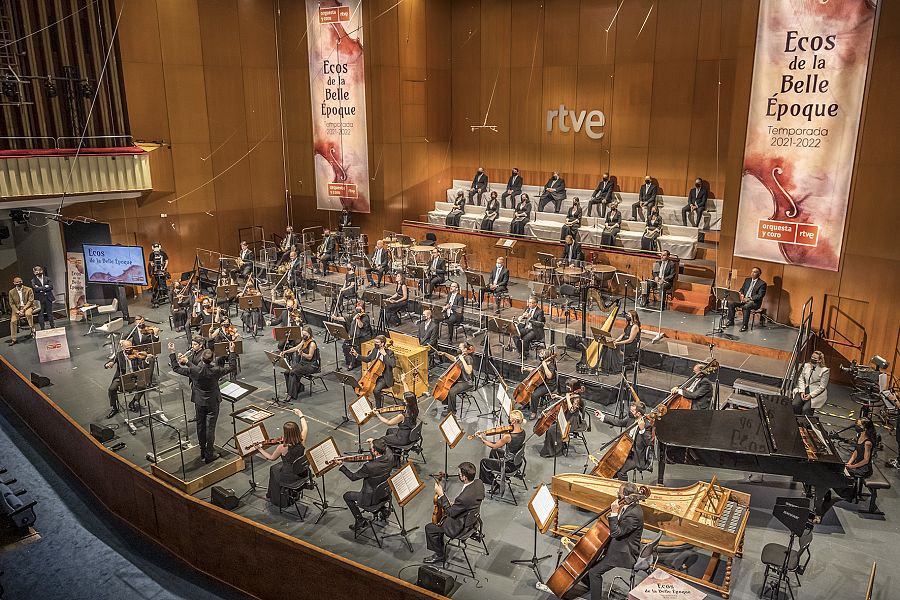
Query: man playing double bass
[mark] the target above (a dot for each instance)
(638, 430)
(699, 391)
(626, 526)
(458, 516)
(380, 352)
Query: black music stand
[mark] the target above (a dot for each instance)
(794, 514)
(417, 273)
(347, 381)
(474, 281)
(374, 298)
(336, 331)
(278, 362)
(724, 296)
(626, 279)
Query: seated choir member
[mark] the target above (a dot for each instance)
(573, 408)
(396, 302)
(359, 328)
(306, 361)
(572, 252)
(458, 210)
(373, 474)
(549, 381)
(402, 424)
(457, 516)
(328, 251)
(380, 351)
(491, 212)
(752, 293)
(466, 377)
(513, 189)
(521, 216)
(811, 390)
(503, 449)
(573, 221)
(479, 186)
(495, 283)
(699, 391)
(554, 191)
(646, 199)
(696, 204)
(436, 273)
(663, 278)
(652, 231)
(289, 450)
(639, 431)
(602, 195)
(380, 260)
(532, 328)
(627, 345)
(454, 309)
(626, 526)
(611, 225)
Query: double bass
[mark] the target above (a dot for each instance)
(523, 391)
(450, 376)
(676, 401)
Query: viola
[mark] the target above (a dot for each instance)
(437, 514)
(364, 457)
(138, 355)
(523, 391)
(268, 442)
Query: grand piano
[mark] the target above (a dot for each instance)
(767, 439)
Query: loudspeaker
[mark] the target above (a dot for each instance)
(39, 380)
(434, 581)
(102, 433)
(224, 498)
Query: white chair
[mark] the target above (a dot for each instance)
(88, 311)
(110, 328)
(108, 309)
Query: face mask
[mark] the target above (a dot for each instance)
(646, 181)
(859, 429)
(605, 178)
(18, 285)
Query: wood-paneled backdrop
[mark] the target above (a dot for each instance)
(214, 77)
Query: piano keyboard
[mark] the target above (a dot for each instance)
(732, 516)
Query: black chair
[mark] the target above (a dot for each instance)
(578, 433)
(569, 299)
(649, 456)
(773, 556)
(473, 530)
(646, 562)
(505, 476)
(469, 397)
(310, 378)
(291, 493)
(414, 445)
(380, 510)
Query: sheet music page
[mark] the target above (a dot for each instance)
(543, 505)
(246, 439)
(505, 400)
(563, 424)
(232, 390)
(405, 483)
(451, 430)
(322, 453)
(252, 414)
(361, 409)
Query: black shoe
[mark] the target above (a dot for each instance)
(359, 524)
(134, 406)
(384, 514)
(11, 342)
(728, 324)
(433, 559)
(743, 328)
(112, 412)
(210, 458)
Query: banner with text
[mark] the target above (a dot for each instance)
(809, 78)
(337, 86)
(75, 281)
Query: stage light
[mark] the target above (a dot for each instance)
(50, 88)
(11, 90)
(87, 90)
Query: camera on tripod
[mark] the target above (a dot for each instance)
(865, 378)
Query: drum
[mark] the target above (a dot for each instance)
(452, 251)
(420, 255)
(542, 272)
(570, 275)
(602, 274)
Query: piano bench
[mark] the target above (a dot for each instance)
(874, 483)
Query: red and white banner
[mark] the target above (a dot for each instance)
(75, 281)
(337, 86)
(809, 78)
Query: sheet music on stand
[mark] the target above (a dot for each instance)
(277, 360)
(543, 508)
(244, 440)
(234, 391)
(337, 330)
(361, 410)
(405, 484)
(321, 455)
(450, 430)
(252, 414)
(564, 424)
(505, 400)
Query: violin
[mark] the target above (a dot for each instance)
(268, 442)
(364, 457)
(449, 377)
(138, 355)
(384, 410)
(523, 391)
(492, 431)
(152, 330)
(231, 330)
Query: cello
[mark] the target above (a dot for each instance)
(548, 417)
(610, 463)
(523, 391)
(676, 401)
(450, 376)
(370, 377)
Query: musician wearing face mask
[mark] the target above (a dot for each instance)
(663, 278)
(612, 224)
(572, 252)
(350, 288)
(639, 431)
(513, 189)
(459, 209)
(373, 474)
(479, 186)
(181, 299)
(811, 390)
(602, 195)
(549, 382)
(380, 351)
(294, 270)
(491, 212)
(652, 231)
(554, 191)
(289, 317)
(573, 408)
(43, 295)
(428, 330)
(529, 326)
(458, 515)
(402, 424)
(626, 345)
(466, 377)
(380, 261)
(21, 302)
(503, 449)
(626, 526)
(497, 281)
(287, 244)
(326, 253)
(359, 328)
(396, 302)
(696, 204)
(246, 256)
(142, 333)
(453, 310)
(521, 216)
(436, 273)
(122, 364)
(306, 361)
(646, 199)
(699, 391)
(573, 221)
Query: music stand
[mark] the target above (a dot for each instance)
(452, 434)
(220, 349)
(336, 331)
(405, 485)
(320, 459)
(724, 296)
(375, 298)
(346, 380)
(474, 281)
(417, 273)
(245, 443)
(543, 509)
(278, 362)
(793, 513)
(251, 304)
(626, 279)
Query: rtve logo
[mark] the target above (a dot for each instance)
(591, 121)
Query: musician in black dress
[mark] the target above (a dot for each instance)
(549, 382)
(359, 328)
(396, 302)
(402, 424)
(696, 204)
(513, 189)
(529, 326)
(458, 210)
(646, 199)
(573, 221)
(381, 352)
(602, 195)
(612, 225)
(306, 361)
(180, 299)
(627, 345)
(572, 252)
(327, 252)
(860, 462)
(626, 526)
(289, 451)
(521, 216)
(503, 449)
(652, 231)
(573, 409)
(699, 391)
(373, 474)
(350, 289)
(458, 515)
(436, 273)
(466, 377)
(639, 431)
(491, 212)
(454, 309)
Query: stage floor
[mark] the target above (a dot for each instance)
(843, 549)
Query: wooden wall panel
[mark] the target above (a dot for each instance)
(179, 32)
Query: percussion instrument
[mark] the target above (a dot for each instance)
(420, 255)
(571, 275)
(542, 272)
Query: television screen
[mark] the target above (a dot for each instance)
(123, 265)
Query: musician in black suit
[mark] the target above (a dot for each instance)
(436, 273)
(529, 325)
(453, 310)
(141, 334)
(572, 251)
(479, 186)
(359, 328)
(602, 195)
(326, 253)
(294, 270)
(345, 220)
(639, 430)
(458, 516)
(699, 391)
(696, 204)
(663, 277)
(646, 199)
(246, 256)
(122, 364)
(752, 293)
(380, 261)
(428, 329)
(42, 287)
(380, 351)
(521, 216)
(373, 474)
(287, 244)
(573, 220)
(205, 393)
(495, 283)
(554, 191)
(513, 189)
(626, 526)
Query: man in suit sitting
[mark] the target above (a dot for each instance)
(497, 281)
(811, 390)
(699, 391)
(21, 301)
(639, 431)
(428, 330)
(533, 329)
(752, 293)
(380, 260)
(513, 189)
(554, 191)
(572, 251)
(603, 195)
(454, 309)
(373, 473)
(437, 272)
(663, 278)
(205, 393)
(646, 199)
(457, 516)
(696, 204)
(479, 186)
(626, 526)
